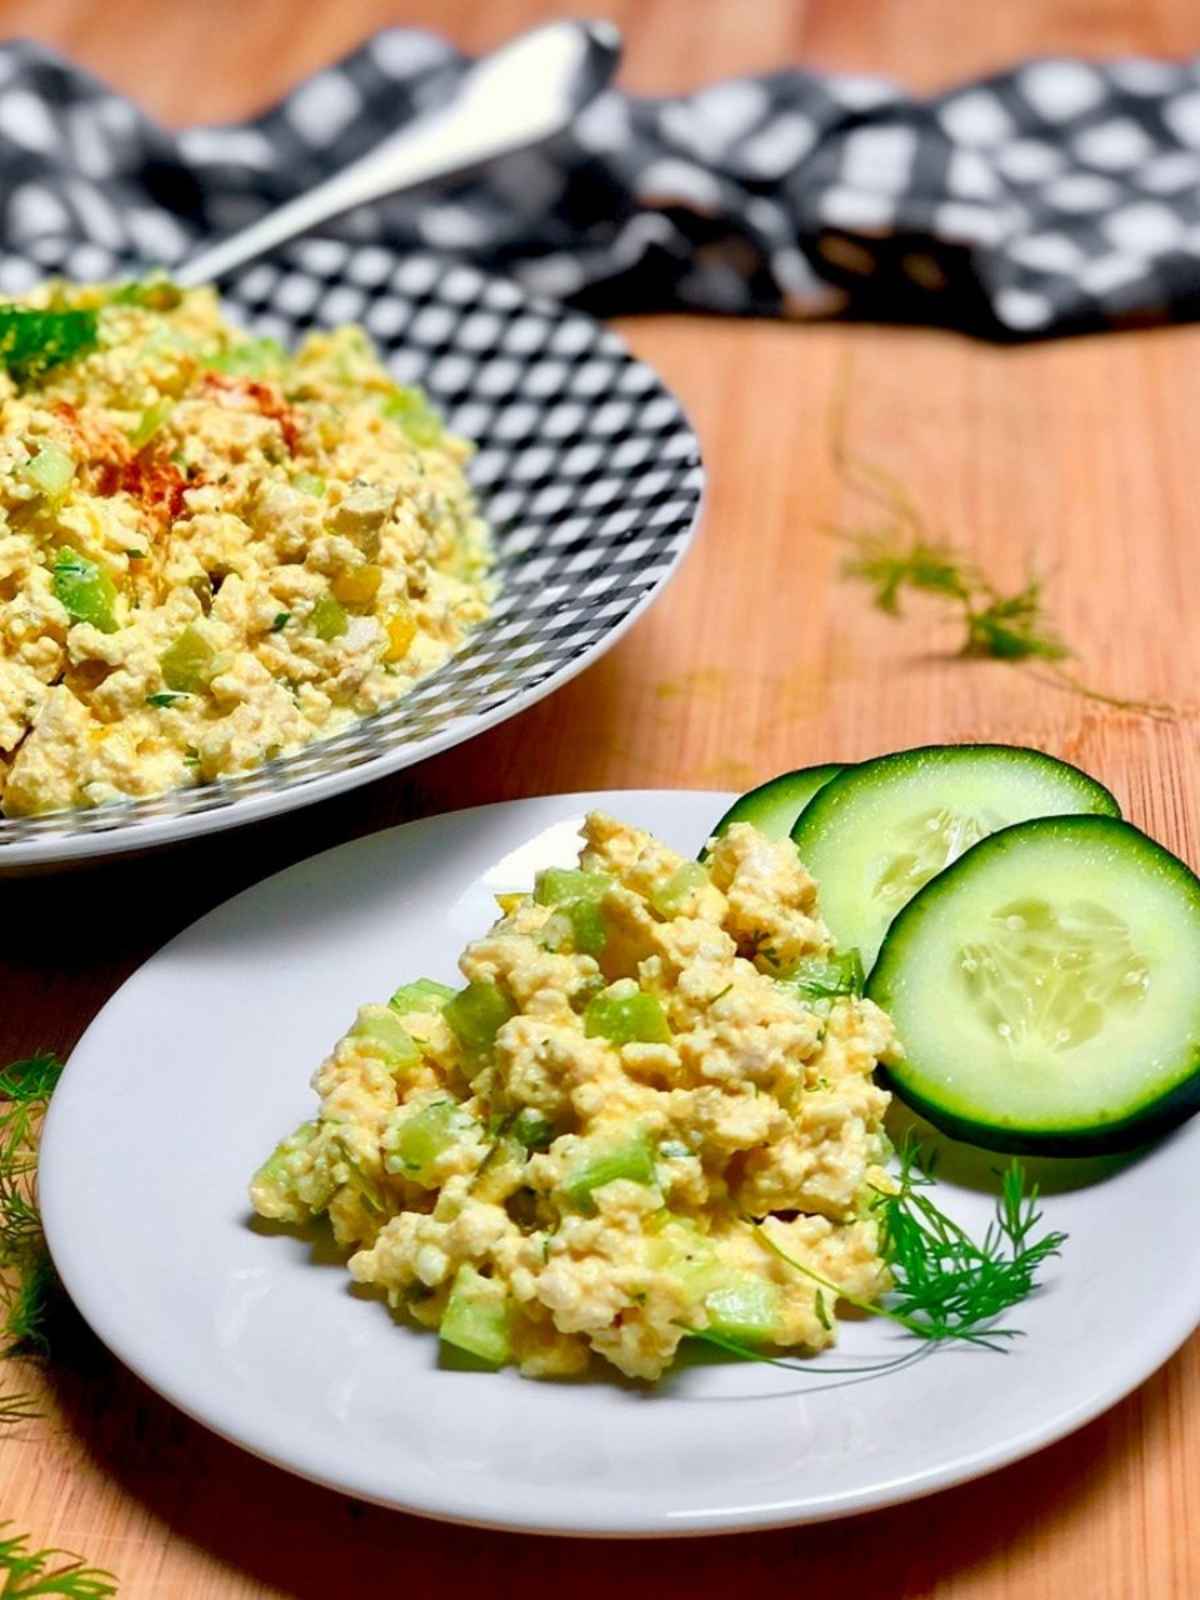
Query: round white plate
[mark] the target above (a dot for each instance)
(587, 471)
(201, 1062)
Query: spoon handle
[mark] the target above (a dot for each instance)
(521, 95)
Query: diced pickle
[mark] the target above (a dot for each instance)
(826, 977)
(626, 1019)
(422, 995)
(85, 590)
(411, 409)
(309, 483)
(476, 1317)
(328, 619)
(600, 1164)
(190, 664)
(383, 1027)
(476, 1014)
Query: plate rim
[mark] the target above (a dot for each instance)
(1147, 1357)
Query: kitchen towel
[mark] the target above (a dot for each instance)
(1056, 196)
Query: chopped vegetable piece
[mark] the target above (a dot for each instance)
(747, 1310)
(417, 1138)
(164, 700)
(309, 483)
(383, 1027)
(826, 977)
(282, 618)
(627, 1019)
(156, 292)
(277, 1171)
(328, 619)
(476, 1014)
(85, 589)
(190, 664)
(597, 1166)
(358, 586)
(422, 995)
(401, 631)
(578, 895)
(256, 358)
(533, 1130)
(31, 342)
(669, 898)
(151, 421)
(476, 1317)
(412, 410)
(50, 471)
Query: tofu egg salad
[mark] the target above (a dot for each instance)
(652, 1088)
(211, 552)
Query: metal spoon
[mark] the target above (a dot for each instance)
(520, 95)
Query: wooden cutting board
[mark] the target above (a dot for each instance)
(1078, 459)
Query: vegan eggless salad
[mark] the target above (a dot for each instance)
(211, 552)
(559, 1159)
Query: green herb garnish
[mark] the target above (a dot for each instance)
(32, 342)
(166, 698)
(282, 619)
(899, 555)
(26, 1276)
(27, 1572)
(947, 1285)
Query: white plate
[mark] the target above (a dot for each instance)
(587, 472)
(199, 1064)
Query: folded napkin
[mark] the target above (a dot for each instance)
(1057, 196)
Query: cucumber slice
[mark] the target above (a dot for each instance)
(1044, 989)
(774, 807)
(879, 831)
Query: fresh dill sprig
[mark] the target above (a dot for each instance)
(899, 554)
(27, 1277)
(946, 1285)
(27, 1572)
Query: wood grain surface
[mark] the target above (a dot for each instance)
(1080, 456)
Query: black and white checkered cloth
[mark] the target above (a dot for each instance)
(1056, 196)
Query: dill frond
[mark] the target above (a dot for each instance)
(27, 1278)
(900, 555)
(29, 1572)
(946, 1285)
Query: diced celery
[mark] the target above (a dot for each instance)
(746, 1309)
(151, 421)
(417, 1138)
(826, 977)
(533, 1130)
(679, 1247)
(578, 895)
(190, 663)
(423, 995)
(276, 1169)
(476, 1014)
(412, 410)
(85, 590)
(670, 896)
(601, 1164)
(255, 358)
(626, 1019)
(50, 471)
(309, 483)
(476, 1317)
(383, 1027)
(328, 618)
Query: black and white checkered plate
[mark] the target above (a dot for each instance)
(586, 470)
